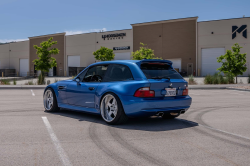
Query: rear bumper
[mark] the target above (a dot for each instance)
(137, 107)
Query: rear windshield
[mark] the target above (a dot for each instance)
(159, 70)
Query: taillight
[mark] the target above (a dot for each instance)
(144, 92)
(185, 92)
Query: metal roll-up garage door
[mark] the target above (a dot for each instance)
(73, 64)
(73, 61)
(176, 64)
(24, 67)
(209, 60)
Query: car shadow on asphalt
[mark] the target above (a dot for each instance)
(145, 124)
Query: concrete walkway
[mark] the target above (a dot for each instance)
(26, 81)
(200, 80)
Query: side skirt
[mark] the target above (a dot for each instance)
(78, 108)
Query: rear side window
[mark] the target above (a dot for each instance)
(118, 73)
(159, 70)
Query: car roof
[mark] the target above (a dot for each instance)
(118, 61)
(132, 61)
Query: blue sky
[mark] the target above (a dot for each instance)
(21, 19)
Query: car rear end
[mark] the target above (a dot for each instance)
(167, 91)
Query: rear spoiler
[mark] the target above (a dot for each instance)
(154, 60)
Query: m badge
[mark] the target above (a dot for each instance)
(242, 29)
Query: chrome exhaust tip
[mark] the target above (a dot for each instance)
(174, 113)
(160, 114)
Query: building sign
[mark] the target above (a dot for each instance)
(114, 36)
(242, 29)
(121, 48)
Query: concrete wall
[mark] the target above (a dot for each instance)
(11, 53)
(82, 45)
(222, 37)
(116, 42)
(169, 39)
(19, 50)
(4, 56)
(85, 44)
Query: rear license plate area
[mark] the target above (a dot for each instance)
(170, 91)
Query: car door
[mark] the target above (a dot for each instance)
(83, 93)
(61, 88)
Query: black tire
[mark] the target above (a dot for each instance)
(168, 116)
(54, 107)
(120, 117)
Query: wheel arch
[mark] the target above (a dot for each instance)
(101, 97)
(56, 94)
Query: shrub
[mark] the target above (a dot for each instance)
(216, 79)
(4, 82)
(144, 53)
(219, 79)
(191, 80)
(104, 54)
(249, 78)
(14, 82)
(29, 83)
(208, 79)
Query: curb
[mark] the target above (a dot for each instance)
(206, 88)
(9, 87)
(217, 88)
(238, 89)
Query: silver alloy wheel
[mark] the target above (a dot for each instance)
(48, 100)
(109, 108)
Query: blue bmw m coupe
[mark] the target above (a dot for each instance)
(122, 89)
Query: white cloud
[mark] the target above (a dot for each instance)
(11, 40)
(84, 31)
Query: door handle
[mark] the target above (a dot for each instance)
(91, 88)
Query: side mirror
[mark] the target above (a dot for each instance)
(78, 80)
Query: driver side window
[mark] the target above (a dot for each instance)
(95, 73)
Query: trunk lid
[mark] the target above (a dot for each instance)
(161, 75)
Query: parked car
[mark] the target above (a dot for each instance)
(118, 90)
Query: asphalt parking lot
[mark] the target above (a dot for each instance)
(214, 131)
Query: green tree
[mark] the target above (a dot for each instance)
(143, 53)
(233, 63)
(104, 54)
(45, 61)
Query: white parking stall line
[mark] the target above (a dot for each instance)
(33, 94)
(60, 151)
(237, 135)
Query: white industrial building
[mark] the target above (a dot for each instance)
(213, 38)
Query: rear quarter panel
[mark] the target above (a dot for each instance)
(120, 88)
